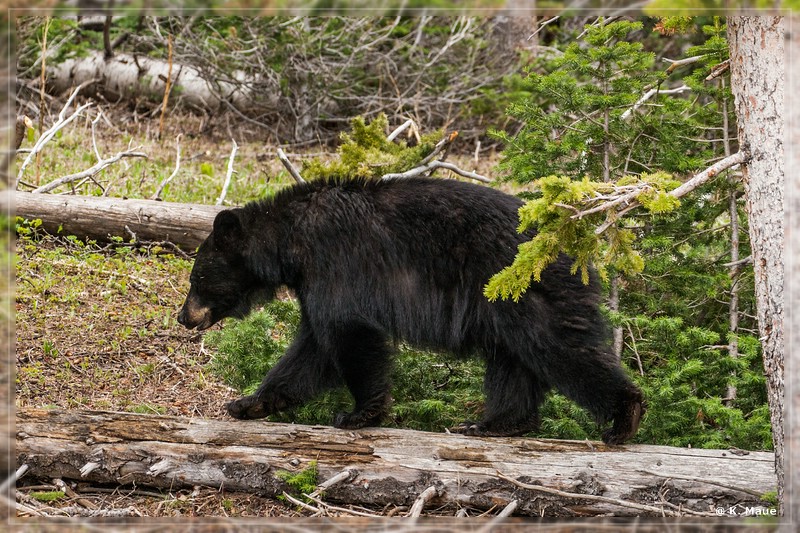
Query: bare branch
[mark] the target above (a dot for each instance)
(459, 171)
(50, 133)
(164, 183)
(93, 170)
(594, 497)
(288, 164)
(408, 123)
(718, 70)
(742, 156)
(648, 95)
(676, 63)
(421, 500)
(229, 174)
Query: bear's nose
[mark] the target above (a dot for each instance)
(182, 317)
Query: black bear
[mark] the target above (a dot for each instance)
(373, 262)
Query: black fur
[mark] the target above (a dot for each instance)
(373, 262)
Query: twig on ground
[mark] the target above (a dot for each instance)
(157, 194)
(422, 499)
(66, 489)
(604, 499)
(304, 505)
(229, 174)
(509, 509)
(704, 480)
(344, 475)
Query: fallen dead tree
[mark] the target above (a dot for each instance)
(378, 466)
(185, 225)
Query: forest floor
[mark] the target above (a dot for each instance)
(96, 324)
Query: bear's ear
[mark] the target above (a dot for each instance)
(228, 231)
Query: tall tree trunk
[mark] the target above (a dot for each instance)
(792, 118)
(757, 82)
(735, 268)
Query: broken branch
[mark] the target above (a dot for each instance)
(288, 164)
(227, 183)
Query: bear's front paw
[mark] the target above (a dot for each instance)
(247, 408)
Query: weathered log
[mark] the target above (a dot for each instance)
(129, 77)
(185, 225)
(391, 466)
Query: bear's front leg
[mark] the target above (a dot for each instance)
(301, 374)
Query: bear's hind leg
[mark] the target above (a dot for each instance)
(513, 396)
(363, 357)
(598, 383)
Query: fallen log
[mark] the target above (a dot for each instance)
(379, 466)
(92, 217)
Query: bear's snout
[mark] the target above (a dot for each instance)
(193, 316)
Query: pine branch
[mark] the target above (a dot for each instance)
(703, 177)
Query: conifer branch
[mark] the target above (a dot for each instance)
(703, 177)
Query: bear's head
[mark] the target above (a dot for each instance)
(222, 285)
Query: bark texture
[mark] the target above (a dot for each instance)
(185, 225)
(757, 82)
(127, 77)
(792, 118)
(390, 466)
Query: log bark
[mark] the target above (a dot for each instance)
(185, 225)
(792, 297)
(389, 466)
(125, 77)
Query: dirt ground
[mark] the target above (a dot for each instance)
(97, 332)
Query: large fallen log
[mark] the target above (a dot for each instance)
(185, 225)
(388, 466)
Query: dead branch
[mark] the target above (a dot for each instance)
(604, 499)
(164, 182)
(648, 95)
(688, 186)
(288, 165)
(403, 127)
(419, 504)
(89, 172)
(167, 87)
(229, 174)
(62, 121)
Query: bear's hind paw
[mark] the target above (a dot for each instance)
(479, 429)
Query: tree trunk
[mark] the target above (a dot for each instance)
(185, 225)
(391, 466)
(757, 82)
(792, 119)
